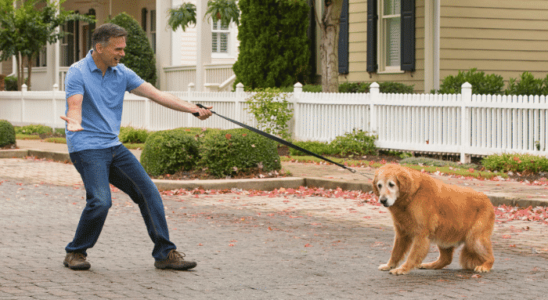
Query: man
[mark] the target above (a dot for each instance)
(95, 88)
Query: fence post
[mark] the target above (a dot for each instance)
(297, 94)
(191, 89)
(147, 114)
(23, 91)
(466, 93)
(237, 104)
(375, 98)
(54, 106)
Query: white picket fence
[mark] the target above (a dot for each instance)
(462, 124)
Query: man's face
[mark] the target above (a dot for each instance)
(113, 51)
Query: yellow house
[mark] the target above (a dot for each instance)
(415, 42)
(504, 37)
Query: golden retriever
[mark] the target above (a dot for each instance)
(426, 210)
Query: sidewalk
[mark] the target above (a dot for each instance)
(248, 244)
(327, 176)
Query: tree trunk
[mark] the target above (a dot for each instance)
(329, 45)
(19, 69)
(29, 68)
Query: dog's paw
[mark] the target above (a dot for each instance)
(481, 269)
(384, 267)
(398, 271)
(429, 266)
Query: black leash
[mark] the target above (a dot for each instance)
(281, 141)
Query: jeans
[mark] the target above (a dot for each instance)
(118, 166)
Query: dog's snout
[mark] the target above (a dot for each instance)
(383, 200)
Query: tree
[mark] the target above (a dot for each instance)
(329, 46)
(225, 10)
(139, 54)
(329, 24)
(273, 43)
(25, 30)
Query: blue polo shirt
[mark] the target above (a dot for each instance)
(102, 103)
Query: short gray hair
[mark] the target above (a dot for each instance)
(103, 33)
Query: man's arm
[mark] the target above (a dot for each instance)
(74, 113)
(149, 91)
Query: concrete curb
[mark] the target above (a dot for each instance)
(22, 153)
(16, 153)
(56, 156)
(266, 184)
(333, 184)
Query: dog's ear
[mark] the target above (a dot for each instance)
(404, 184)
(375, 190)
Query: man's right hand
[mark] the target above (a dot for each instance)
(72, 125)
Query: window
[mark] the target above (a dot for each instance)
(390, 35)
(220, 35)
(153, 29)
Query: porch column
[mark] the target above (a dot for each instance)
(57, 61)
(203, 49)
(53, 60)
(163, 41)
(431, 45)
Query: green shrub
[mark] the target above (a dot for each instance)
(482, 84)
(321, 148)
(354, 87)
(139, 54)
(238, 150)
(527, 85)
(271, 110)
(35, 129)
(169, 151)
(7, 133)
(388, 87)
(312, 88)
(273, 43)
(10, 83)
(133, 135)
(356, 142)
(516, 163)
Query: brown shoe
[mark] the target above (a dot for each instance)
(76, 261)
(175, 261)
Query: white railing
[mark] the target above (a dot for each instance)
(179, 77)
(218, 73)
(462, 124)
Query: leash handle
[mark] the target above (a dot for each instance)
(200, 106)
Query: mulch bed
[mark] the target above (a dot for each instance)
(200, 174)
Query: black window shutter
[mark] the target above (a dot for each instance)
(70, 42)
(372, 17)
(343, 39)
(144, 19)
(408, 35)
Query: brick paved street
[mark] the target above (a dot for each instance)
(246, 247)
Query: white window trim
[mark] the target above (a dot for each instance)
(381, 42)
(230, 41)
